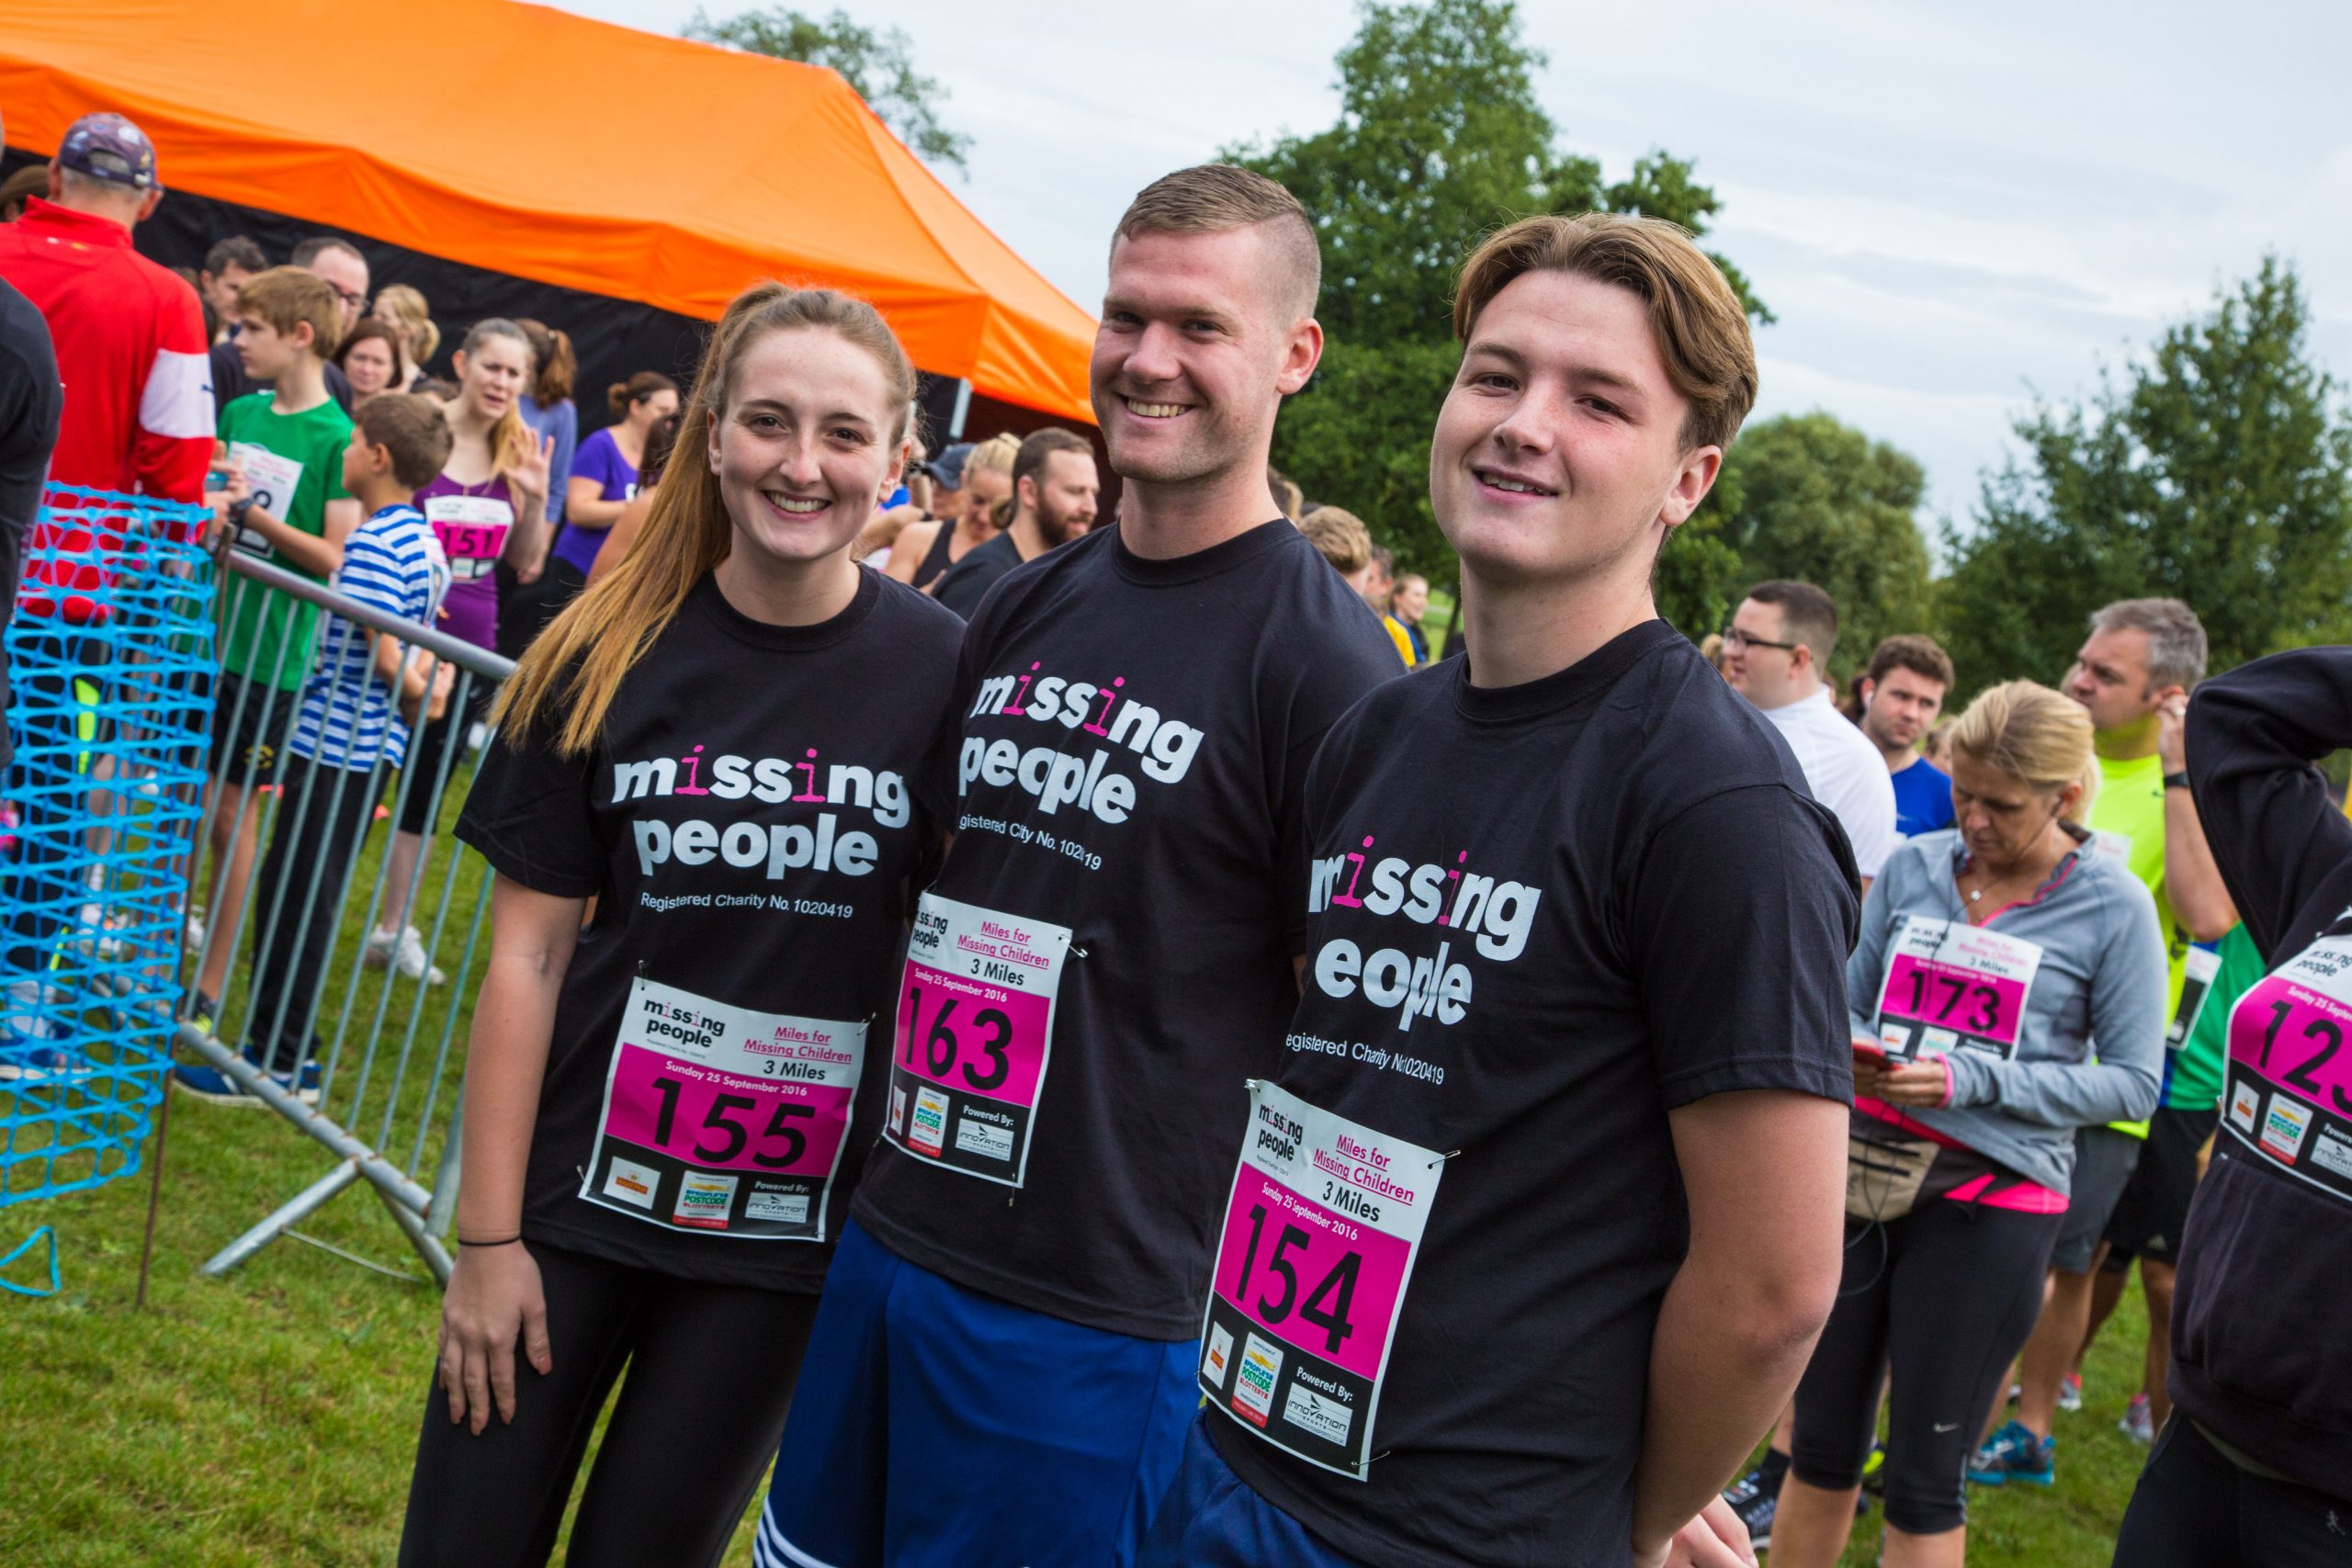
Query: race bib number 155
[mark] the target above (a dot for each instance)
(721, 1120)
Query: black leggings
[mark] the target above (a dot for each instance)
(700, 1412)
(434, 740)
(2193, 1508)
(1946, 1295)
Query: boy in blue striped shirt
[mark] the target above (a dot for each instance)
(364, 692)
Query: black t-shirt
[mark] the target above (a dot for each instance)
(1622, 900)
(32, 399)
(962, 585)
(936, 559)
(2265, 1261)
(230, 382)
(1132, 757)
(753, 824)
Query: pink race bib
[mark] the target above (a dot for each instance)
(1322, 1229)
(2289, 1088)
(974, 1037)
(1951, 985)
(722, 1120)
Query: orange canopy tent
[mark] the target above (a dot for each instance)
(527, 141)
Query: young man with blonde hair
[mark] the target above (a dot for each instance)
(1002, 1370)
(1490, 1287)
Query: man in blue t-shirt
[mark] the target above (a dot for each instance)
(1901, 694)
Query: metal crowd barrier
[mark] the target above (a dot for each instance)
(376, 1076)
(109, 655)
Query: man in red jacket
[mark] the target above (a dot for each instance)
(129, 335)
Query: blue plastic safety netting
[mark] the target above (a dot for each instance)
(110, 670)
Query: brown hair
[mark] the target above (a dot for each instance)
(1029, 461)
(2029, 733)
(510, 433)
(1700, 325)
(1808, 615)
(414, 429)
(374, 327)
(622, 395)
(1211, 198)
(1289, 500)
(1340, 536)
(567, 678)
(1920, 655)
(286, 296)
(551, 349)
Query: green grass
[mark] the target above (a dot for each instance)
(270, 1417)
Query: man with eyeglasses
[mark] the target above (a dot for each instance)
(338, 264)
(1776, 653)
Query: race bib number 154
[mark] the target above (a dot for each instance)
(1320, 1234)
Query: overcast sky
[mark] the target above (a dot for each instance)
(1949, 208)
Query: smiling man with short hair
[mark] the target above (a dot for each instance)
(1491, 1288)
(1001, 1371)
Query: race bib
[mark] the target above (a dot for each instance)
(2204, 963)
(2289, 1088)
(272, 480)
(1320, 1235)
(1950, 984)
(724, 1120)
(975, 1036)
(472, 530)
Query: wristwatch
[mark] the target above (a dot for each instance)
(237, 510)
(2175, 781)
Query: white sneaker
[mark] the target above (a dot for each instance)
(404, 952)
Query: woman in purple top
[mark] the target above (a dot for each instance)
(487, 506)
(604, 474)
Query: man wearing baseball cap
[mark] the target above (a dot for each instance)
(129, 335)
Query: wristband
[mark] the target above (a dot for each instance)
(237, 510)
(502, 1241)
(2177, 780)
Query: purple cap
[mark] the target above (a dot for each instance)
(108, 147)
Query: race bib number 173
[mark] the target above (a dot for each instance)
(1950, 984)
(1321, 1232)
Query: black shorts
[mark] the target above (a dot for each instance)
(249, 745)
(2103, 1162)
(2153, 1210)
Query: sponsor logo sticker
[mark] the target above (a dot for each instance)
(704, 1198)
(1254, 1390)
(632, 1183)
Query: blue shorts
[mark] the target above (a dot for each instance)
(1210, 1519)
(934, 1427)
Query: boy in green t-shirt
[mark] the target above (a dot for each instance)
(288, 443)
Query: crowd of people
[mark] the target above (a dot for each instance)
(952, 1028)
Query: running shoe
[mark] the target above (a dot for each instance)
(27, 1062)
(1756, 1498)
(2015, 1454)
(404, 952)
(2137, 1423)
(2070, 1391)
(208, 1082)
(1874, 1469)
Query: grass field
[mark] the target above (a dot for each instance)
(269, 1418)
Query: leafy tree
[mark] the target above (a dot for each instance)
(1440, 140)
(2217, 470)
(1806, 496)
(878, 65)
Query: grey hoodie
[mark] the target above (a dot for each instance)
(2103, 976)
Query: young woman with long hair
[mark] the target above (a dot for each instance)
(665, 1111)
(487, 507)
(605, 473)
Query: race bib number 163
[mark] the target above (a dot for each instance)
(1321, 1232)
(974, 1037)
